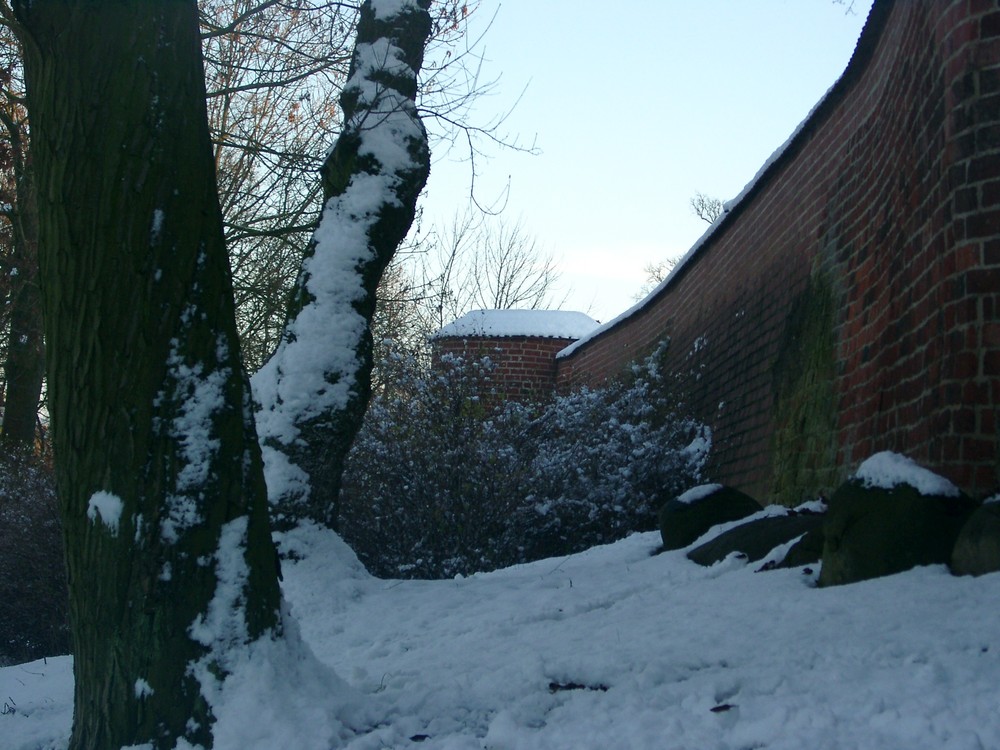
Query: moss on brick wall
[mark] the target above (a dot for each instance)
(891, 187)
(804, 442)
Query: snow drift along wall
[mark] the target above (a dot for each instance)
(849, 302)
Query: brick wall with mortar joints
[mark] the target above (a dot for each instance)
(895, 191)
(524, 366)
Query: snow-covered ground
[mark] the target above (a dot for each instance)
(611, 648)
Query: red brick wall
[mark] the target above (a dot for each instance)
(891, 193)
(525, 365)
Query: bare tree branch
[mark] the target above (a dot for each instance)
(706, 208)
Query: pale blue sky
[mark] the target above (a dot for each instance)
(635, 106)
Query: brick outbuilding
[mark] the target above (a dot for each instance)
(522, 345)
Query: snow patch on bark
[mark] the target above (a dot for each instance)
(386, 9)
(198, 391)
(224, 624)
(280, 472)
(106, 507)
(201, 397)
(143, 689)
(156, 227)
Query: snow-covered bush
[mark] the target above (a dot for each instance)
(446, 479)
(33, 595)
(432, 480)
(606, 459)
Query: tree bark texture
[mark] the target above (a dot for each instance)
(170, 562)
(24, 364)
(24, 367)
(314, 391)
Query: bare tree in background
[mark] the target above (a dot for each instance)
(848, 6)
(510, 271)
(452, 82)
(492, 264)
(401, 323)
(476, 262)
(273, 72)
(22, 349)
(706, 208)
(656, 271)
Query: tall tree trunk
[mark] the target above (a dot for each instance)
(171, 566)
(25, 364)
(314, 391)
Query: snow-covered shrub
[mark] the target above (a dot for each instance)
(445, 479)
(432, 480)
(33, 595)
(608, 458)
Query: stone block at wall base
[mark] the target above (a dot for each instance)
(872, 531)
(977, 548)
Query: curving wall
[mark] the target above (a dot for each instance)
(849, 302)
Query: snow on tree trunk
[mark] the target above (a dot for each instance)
(313, 392)
(171, 568)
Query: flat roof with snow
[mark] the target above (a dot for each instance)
(554, 324)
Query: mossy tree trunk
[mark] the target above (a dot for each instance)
(314, 390)
(171, 567)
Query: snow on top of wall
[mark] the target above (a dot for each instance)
(887, 470)
(555, 324)
(727, 208)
